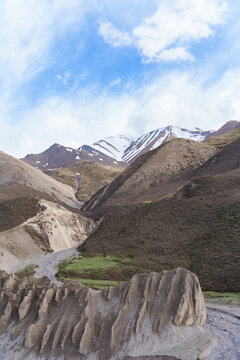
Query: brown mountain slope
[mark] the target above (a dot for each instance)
(14, 171)
(86, 177)
(198, 228)
(228, 126)
(146, 177)
(224, 139)
(225, 160)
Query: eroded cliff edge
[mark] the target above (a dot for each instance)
(81, 323)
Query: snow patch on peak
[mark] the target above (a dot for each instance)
(113, 146)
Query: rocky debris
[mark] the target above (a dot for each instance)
(76, 320)
(62, 228)
(54, 228)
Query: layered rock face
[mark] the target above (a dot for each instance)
(78, 322)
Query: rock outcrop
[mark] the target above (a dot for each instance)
(89, 324)
(54, 228)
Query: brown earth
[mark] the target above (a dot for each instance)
(152, 175)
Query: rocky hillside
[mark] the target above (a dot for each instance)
(37, 213)
(130, 319)
(150, 176)
(196, 227)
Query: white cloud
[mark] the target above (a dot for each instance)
(169, 32)
(113, 36)
(116, 82)
(65, 77)
(27, 32)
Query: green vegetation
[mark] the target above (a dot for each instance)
(96, 272)
(225, 297)
(98, 262)
(28, 272)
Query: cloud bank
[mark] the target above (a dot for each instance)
(173, 28)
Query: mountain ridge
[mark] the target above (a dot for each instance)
(120, 150)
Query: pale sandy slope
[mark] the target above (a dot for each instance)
(54, 228)
(14, 171)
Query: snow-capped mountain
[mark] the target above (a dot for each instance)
(112, 146)
(118, 150)
(156, 138)
(126, 149)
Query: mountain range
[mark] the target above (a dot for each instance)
(119, 150)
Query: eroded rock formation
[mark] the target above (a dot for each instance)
(83, 322)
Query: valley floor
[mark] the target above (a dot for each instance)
(47, 264)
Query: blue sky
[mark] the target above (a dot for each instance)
(74, 71)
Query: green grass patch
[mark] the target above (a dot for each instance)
(96, 272)
(27, 272)
(225, 297)
(89, 263)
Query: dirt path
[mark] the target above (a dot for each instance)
(47, 264)
(223, 320)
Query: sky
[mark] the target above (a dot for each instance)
(75, 71)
